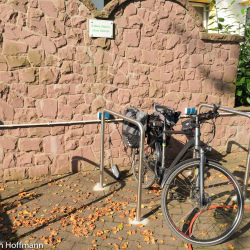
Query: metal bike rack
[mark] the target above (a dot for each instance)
(142, 138)
(235, 112)
(47, 124)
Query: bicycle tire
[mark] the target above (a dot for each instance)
(149, 162)
(217, 220)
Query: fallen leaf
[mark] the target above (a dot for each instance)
(230, 246)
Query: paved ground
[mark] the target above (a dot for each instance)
(63, 212)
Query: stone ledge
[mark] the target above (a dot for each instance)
(221, 37)
(243, 108)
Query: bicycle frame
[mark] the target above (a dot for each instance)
(198, 152)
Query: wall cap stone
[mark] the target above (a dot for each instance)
(221, 37)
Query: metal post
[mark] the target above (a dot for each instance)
(142, 138)
(246, 174)
(236, 112)
(102, 147)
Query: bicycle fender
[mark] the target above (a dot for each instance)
(171, 170)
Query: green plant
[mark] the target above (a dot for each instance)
(243, 74)
(242, 94)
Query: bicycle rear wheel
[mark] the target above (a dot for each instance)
(214, 221)
(149, 163)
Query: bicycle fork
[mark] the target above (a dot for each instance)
(199, 172)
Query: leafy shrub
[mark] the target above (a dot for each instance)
(242, 94)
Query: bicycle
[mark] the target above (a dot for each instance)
(201, 201)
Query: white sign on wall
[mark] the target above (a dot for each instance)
(100, 28)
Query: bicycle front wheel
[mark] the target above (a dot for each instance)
(206, 224)
(150, 158)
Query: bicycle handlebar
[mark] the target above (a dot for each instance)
(211, 114)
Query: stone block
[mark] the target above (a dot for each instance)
(35, 57)
(48, 75)
(9, 161)
(12, 32)
(124, 97)
(72, 7)
(98, 104)
(71, 79)
(37, 91)
(42, 159)
(22, 19)
(196, 60)
(3, 64)
(17, 62)
(230, 73)
(14, 174)
(27, 144)
(47, 108)
(235, 51)
(39, 131)
(86, 140)
(166, 57)
(7, 13)
(28, 75)
(130, 10)
(180, 51)
(6, 112)
(216, 75)
(155, 74)
(64, 112)
(25, 115)
(33, 41)
(48, 7)
(67, 53)
(166, 26)
(48, 45)
(15, 100)
(131, 37)
(60, 42)
(195, 86)
(150, 57)
(71, 145)
(38, 171)
(60, 5)
(61, 165)
(172, 41)
(25, 159)
(36, 21)
(120, 80)
(82, 55)
(73, 134)
(79, 22)
(54, 144)
(54, 28)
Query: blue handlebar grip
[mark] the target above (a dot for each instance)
(99, 115)
(190, 111)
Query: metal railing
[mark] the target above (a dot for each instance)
(47, 124)
(142, 138)
(235, 112)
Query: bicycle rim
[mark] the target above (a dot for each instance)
(149, 163)
(213, 222)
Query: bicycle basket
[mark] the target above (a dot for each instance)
(130, 131)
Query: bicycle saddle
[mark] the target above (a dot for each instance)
(163, 109)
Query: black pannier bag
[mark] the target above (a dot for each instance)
(130, 131)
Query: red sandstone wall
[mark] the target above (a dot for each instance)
(51, 70)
